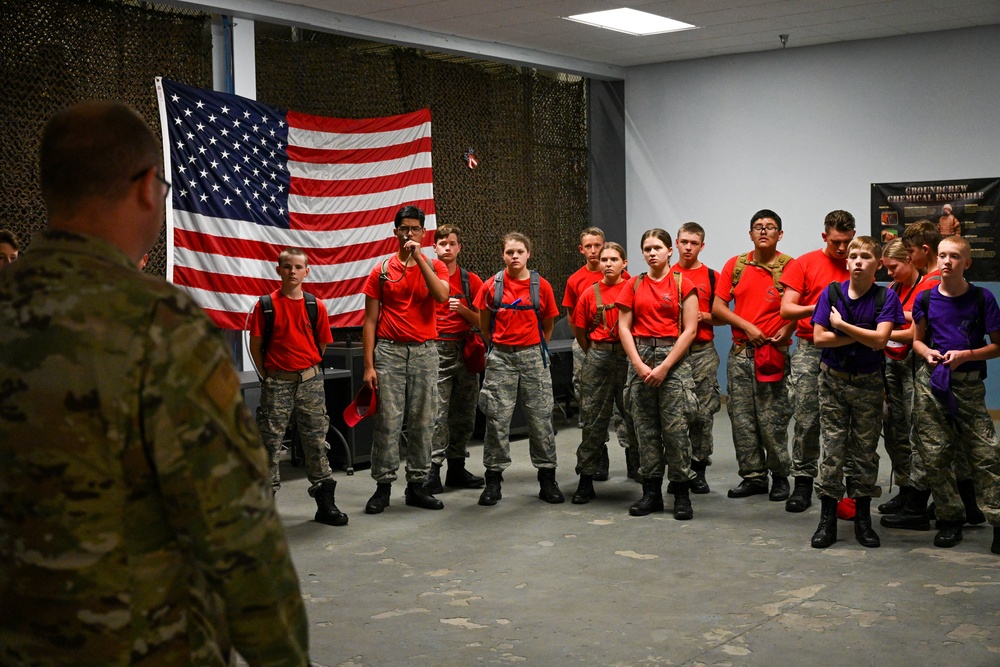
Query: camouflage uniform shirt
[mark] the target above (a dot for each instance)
(136, 520)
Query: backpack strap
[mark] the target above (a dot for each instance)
(601, 311)
(267, 310)
(534, 293)
(313, 311)
(711, 289)
(680, 301)
(775, 268)
(465, 286)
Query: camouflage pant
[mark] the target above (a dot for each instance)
(943, 443)
(407, 390)
(803, 391)
(705, 370)
(458, 392)
(850, 420)
(602, 380)
(662, 416)
(279, 401)
(906, 466)
(617, 418)
(759, 413)
(517, 377)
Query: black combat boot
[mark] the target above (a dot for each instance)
(491, 494)
(652, 498)
(949, 534)
(973, 515)
(584, 491)
(913, 516)
(326, 508)
(699, 484)
(433, 483)
(995, 548)
(826, 533)
(460, 478)
(416, 495)
(548, 489)
(380, 499)
(682, 502)
(863, 531)
(603, 466)
(896, 505)
(801, 497)
(749, 487)
(779, 489)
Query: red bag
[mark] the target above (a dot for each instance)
(897, 351)
(474, 353)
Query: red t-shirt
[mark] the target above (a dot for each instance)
(699, 277)
(757, 299)
(517, 327)
(448, 321)
(581, 279)
(586, 309)
(655, 307)
(293, 344)
(577, 283)
(408, 311)
(809, 275)
(907, 295)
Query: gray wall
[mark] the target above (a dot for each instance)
(606, 143)
(805, 131)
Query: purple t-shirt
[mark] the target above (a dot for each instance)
(956, 322)
(856, 357)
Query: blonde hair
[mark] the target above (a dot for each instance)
(866, 243)
(896, 250)
(611, 245)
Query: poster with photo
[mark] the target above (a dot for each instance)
(969, 207)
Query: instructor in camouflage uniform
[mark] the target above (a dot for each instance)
(136, 520)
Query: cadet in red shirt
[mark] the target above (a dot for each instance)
(657, 322)
(517, 369)
(602, 377)
(900, 370)
(804, 280)
(458, 389)
(757, 402)
(292, 383)
(703, 357)
(401, 361)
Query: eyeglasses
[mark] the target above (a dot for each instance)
(761, 229)
(410, 230)
(158, 177)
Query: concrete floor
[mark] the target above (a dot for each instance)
(529, 583)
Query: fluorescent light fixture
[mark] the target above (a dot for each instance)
(631, 21)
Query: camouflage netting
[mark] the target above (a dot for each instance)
(528, 128)
(60, 52)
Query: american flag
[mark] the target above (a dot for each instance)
(250, 180)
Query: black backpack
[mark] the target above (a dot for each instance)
(534, 293)
(267, 310)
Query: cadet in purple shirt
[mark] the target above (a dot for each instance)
(851, 324)
(950, 326)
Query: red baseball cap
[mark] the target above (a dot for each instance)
(363, 406)
(769, 362)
